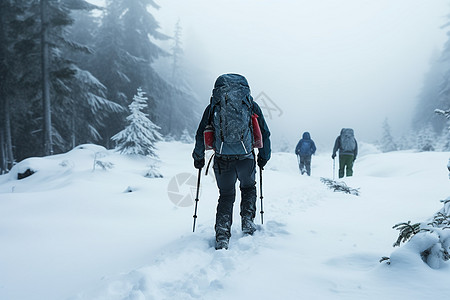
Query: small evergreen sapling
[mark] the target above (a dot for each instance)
(406, 232)
(436, 251)
(141, 134)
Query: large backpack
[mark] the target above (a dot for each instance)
(305, 147)
(348, 142)
(231, 109)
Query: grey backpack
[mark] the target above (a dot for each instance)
(231, 109)
(348, 142)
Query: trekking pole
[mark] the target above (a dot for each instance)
(334, 169)
(196, 198)
(261, 197)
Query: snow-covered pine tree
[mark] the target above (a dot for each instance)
(426, 139)
(406, 141)
(430, 96)
(186, 137)
(176, 52)
(141, 134)
(446, 132)
(124, 53)
(387, 143)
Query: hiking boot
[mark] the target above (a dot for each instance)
(248, 227)
(304, 170)
(221, 242)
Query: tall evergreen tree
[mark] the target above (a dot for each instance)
(64, 84)
(445, 136)
(444, 102)
(426, 139)
(387, 143)
(141, 134)
(176, 52)
(124, 53)
(430, 96)
(9, 17)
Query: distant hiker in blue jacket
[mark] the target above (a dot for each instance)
(305, 149)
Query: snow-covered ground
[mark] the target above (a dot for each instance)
(72, 232)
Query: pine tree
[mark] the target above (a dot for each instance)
(407, 141)
(186, 137)
(141, 134)
(426, 139)
(176, 52)
(124, 53)
(387, 143)
(430, 96)
(445, 136)
(445, 86)
(41, 79)
(9, 17)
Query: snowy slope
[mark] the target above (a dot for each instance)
(71, 232)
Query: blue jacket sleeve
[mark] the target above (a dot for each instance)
(265, 151)
(297, 149)
(199, 149)
(313, 147)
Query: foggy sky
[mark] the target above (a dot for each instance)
(326, 64)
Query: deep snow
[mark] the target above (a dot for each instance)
(72, 232)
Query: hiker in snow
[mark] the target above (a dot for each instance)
(233, 116)
(304, 150)
(348, 150)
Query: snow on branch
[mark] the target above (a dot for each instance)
(445, 113)
(430, 240)
(337, 186)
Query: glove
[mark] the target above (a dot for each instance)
(199, 163)
(261, 162)
(333, 156)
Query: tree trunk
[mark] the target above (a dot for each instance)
(72, 129)
(7, 137)
(45, 65)
(3, 168)
(6, 144)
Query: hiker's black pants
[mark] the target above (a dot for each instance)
(305, 164)
(227, 172)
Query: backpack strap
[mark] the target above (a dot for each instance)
(209, 162)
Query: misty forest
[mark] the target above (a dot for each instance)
(69, 71)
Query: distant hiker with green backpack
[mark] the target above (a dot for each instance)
(304, 150)
(232, 125)
(348, 150)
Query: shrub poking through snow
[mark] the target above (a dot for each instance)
(339, 186)
(431, 240)
(104, 164)
(406, 232)
(386, 259)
